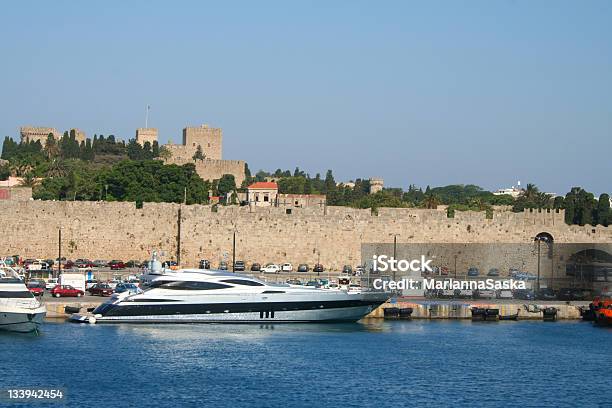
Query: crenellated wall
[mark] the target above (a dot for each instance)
(333, 235)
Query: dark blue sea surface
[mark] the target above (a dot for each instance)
(376, 363)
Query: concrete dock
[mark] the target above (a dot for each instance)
(462, 309)
(422, 308)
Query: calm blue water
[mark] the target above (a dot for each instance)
(350, 365)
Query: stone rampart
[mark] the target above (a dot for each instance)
(333, 235)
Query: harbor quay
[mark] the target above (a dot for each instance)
(62, 308)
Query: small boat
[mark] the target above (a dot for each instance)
(549, 314)
(484, 314)
(510, 317)
(603, 312)
(588, 315)
(20, 311)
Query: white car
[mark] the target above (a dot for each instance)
(486, 294)
(271, 268)
(287, 267)
(51, 283)
(504, 294)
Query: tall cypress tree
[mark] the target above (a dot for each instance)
(603, 210)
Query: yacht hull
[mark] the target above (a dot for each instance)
(21, 322)
(332, 307)
(347, 314)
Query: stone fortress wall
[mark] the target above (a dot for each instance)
(144, 135)
(333, 235)
(34, 134)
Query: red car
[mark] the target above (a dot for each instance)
(100, 289)
(36, 288)
(67, 291)
(116, 265)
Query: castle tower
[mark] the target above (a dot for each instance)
(144, 135)
(376, 184)
(79, 135)
(38, 133)
(211, 140)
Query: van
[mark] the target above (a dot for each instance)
(76, 280)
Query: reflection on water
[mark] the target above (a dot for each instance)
(373, 362)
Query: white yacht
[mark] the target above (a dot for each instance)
(20, 311)
(196, 295)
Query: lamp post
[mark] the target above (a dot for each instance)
(234, 252)
(394, 253)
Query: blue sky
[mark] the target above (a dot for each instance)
(429, 92)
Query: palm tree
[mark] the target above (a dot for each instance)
(20, 168)
(198, 155)
(531, 192)
(28, 180)
(57, 169)
(431, 201)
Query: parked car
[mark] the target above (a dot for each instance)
(51, 283)
(223, 266)
(524, 294)
(287, 267)
(473, 271)
(516, 274)
(504, 294)
(100, 289)
(255, 267)
(271, 268)
(493, 272)
(100, 263)
(570, 294)
(132, 263)
(36, 265)
(239, 266)
(37, 288)
(204, 264)
(318, 268)
(546, 294)
(84, 263)
(127, 287)
(66, 291)
(347, 269)
(116, 264)
(303, 268)
(485, 294)
(359, 270)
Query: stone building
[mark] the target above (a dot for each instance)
(34, 134)
(301, 200)
(262, 194)
(376, 184)
(144, 135)
(213, 166)
(79, 135)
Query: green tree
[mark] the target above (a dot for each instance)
(330, 183)
(198, 155)
(226, 184)
(603, 210)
